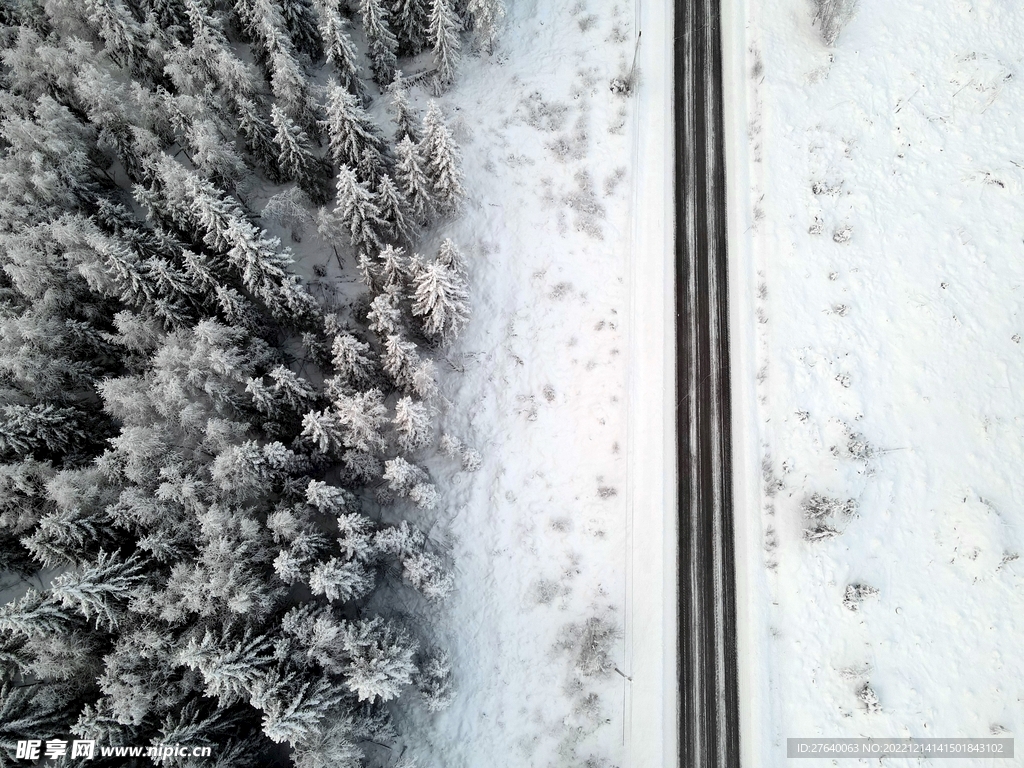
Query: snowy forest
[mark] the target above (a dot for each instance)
(196, 446)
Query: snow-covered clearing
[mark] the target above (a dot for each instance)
(538, 533)
(878, 287)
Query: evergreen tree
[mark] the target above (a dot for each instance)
(412, 180)
(357, 211)
(300, 19)
(486, 16)
(405, 121)
(352, 360)
(259, 138)
(412, 424)
(296, 156)
(443, 30)
(441, 300)
(394, 211)
(351, 132)
(410, 18)
(381, 659)
(382, 43)
(340, 50)
(442, 162)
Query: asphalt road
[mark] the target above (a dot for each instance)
(709, 707)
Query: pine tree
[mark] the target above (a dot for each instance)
(394, 211)
(427, 574)
(410, 18)
(230, 666)
(300, 19)
(381, 659)
(405, 121)
(400, 360)
(448, 255)
(294, 715)
(362, 417)
(412, 180)
(351, 131)
(357, 211)
(340, 50)
(259, 138)
(296, 156)
(441, 299)
(412, 424)
(291, 88)
(101, 591)
(382, 42)
(487, 16)
(442, 162)
(352, 359)
(394, 271)
(443, 30)
(338, 580)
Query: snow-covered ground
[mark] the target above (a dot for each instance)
(538, 386)
(878, 295)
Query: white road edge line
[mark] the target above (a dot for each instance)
(651, 620)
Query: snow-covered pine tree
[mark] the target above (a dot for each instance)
(352, 360)
(448, 255)
(443, 31)
(440, 298)
(401, 112)
(385, 316)
(394, 272)
(125, 38)
(413, 181)
(409, 22)
(412, 424)
(394, 210)
(357, 211)
(351, 131)
(296, 156)
(380, 659)
(291, 88)
(382, 42)
(300, 18)
(339, 49)
(259, 138)
(486, 16)
(400, 360)
(442, 161)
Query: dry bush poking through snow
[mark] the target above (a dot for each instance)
(867, 696)
(831, 16)
(857, 594)
(818, 510)
(590, 642)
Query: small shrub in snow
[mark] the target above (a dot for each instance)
(843, 234)
(471, 460)
(857, 594)
(859, 448)
(818, 507)
(590, 644)
(820, 532)
(867, 696)
(831, 16)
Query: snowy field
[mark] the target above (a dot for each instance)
(537, 385)
(878, 289)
